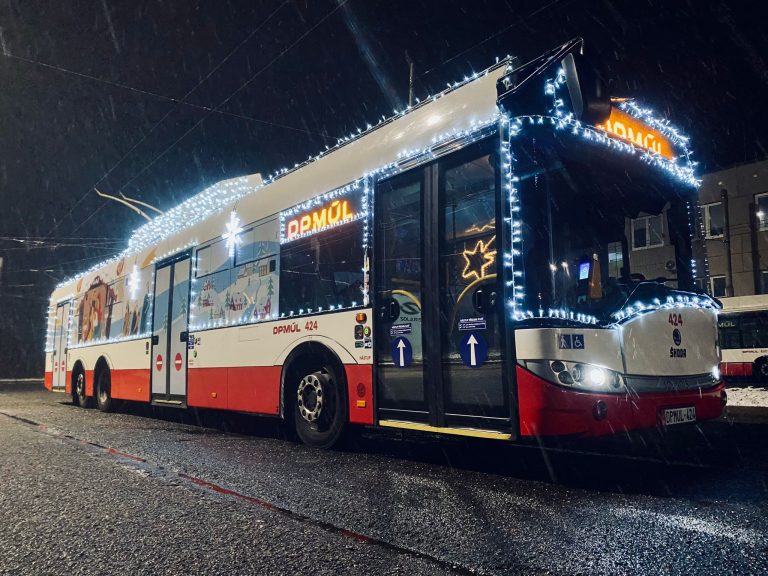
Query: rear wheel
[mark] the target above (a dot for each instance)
(79, 397)
(104, 391)
(319, 414)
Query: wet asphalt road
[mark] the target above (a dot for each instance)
(163, 492)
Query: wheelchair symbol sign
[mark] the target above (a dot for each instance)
(570, 341)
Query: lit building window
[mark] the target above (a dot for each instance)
(761, 205)
(615, 260)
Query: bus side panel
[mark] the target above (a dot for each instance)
(207, 388)
(131, 384)
(48, 376)
(736, 369)
(89, 383)
(360, 393)
(128, 363)
(254, 389)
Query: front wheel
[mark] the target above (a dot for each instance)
(319, 414)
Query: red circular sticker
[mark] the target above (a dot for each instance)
(177, 361)
(159, 362)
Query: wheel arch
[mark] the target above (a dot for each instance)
(303, 353)
(101, 364)
(77, 367)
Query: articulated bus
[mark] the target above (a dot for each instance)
(463, 267)
(743, 327)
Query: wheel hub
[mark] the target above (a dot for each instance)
(310, 398)
(80, 385)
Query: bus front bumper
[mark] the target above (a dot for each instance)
(550, 410)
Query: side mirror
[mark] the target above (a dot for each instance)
(590, 101)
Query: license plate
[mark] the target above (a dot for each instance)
(679, 415)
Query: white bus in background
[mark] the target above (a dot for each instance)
(743, 328)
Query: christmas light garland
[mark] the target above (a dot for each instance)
(218, 197)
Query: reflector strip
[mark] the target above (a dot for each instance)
(474, 432)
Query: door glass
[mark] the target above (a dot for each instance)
(177, 355)
(60, 343)
(160, 326)
(469, 253)
(399, 294)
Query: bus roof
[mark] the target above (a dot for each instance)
(461, 109)
(744, 303)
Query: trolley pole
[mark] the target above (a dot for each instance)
(410, 78)
(727, 243)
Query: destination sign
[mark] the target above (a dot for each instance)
(329, 215)
(630, 129)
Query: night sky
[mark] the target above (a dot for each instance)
(159, 99)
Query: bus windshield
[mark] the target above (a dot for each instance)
(596, 224)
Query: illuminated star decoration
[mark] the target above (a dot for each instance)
(477, 261)
(230, 236)
(133, 282)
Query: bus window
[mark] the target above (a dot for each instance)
(730, 333)
(754, 330)
(322, 271)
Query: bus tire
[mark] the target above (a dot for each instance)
(760, 370)
(104, 391)
(319, 413)
(79, 397)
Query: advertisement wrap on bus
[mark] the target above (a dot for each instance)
(462, 268)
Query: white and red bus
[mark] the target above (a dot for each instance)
(464, 267)
(743, 327)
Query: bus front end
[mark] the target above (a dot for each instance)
(604, 263)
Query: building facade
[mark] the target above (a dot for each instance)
(747, 205)
(650, 251)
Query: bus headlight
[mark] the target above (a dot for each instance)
(578, 375)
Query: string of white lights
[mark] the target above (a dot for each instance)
(218, 197)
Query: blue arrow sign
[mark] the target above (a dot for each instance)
(402, 352)
(473, 349)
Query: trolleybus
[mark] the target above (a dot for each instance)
(468, 266)
(743, 327)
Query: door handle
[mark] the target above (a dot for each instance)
(155, 340)
(394, 310)
(184, 337)
(477, 300)
(389, 310)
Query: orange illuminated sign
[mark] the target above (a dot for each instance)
(333, 214)
(630, 129)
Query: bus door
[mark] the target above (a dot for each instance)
(170, 330)
(60, 339)
(440, 337)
